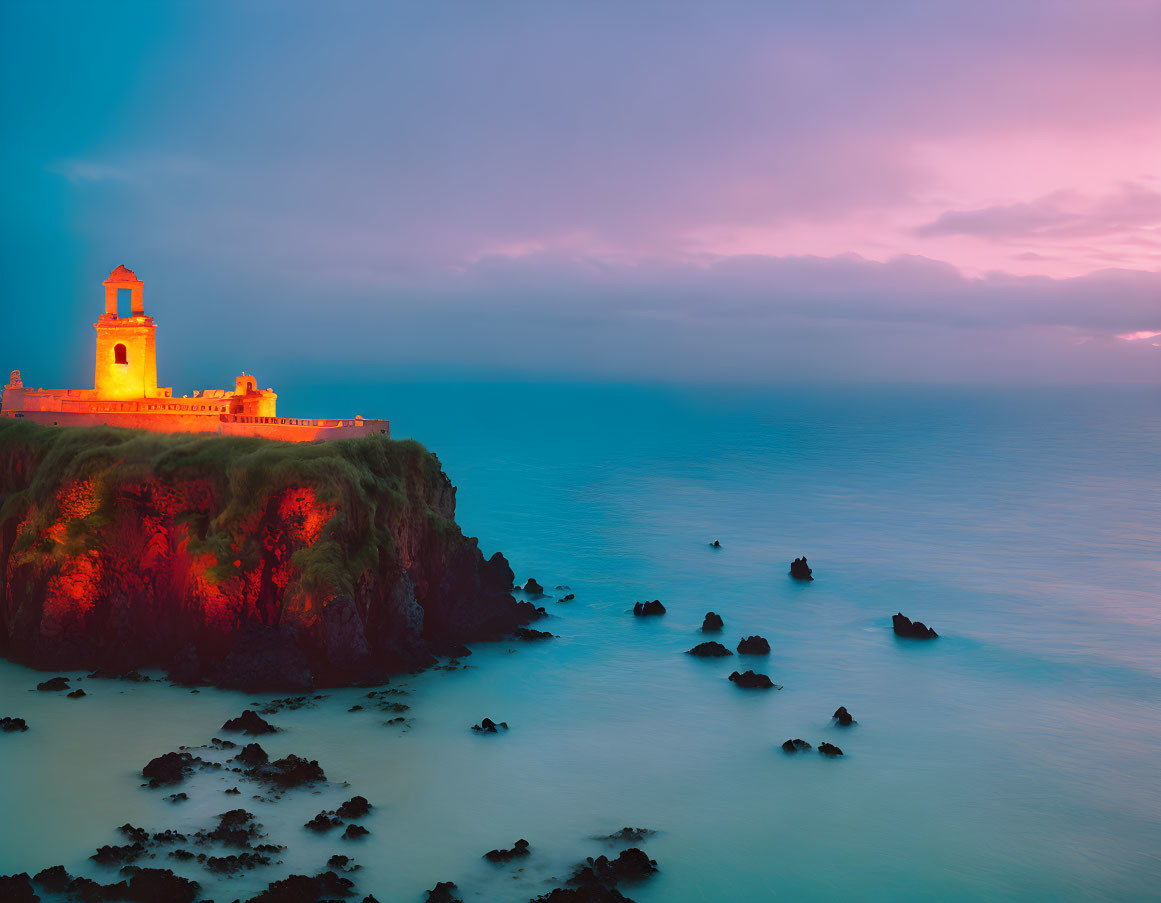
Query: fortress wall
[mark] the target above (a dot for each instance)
(282, 428)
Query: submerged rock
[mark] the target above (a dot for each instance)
(10, 725)
(291, 771)
(78, 693)
(250, 722)
(443, 892)
(527, 633)
(519, 848)
(843, 717)
(829, 749)
(306, 889)
(629, 835)
(488, 726)
(567, 598)
(754, 645)
(793, 746)
(715, 544)
(799, 569)
(709, 650)
(915, 630)
(355, 807)
(649, 608)
(712, 622)
(169, 768)
(631, 865)
(751, 680)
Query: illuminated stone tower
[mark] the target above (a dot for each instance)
(126, 346)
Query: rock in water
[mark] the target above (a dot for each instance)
(250, 546)
(754, 645)
(799, 569)
(250, 722)
(53, 684)
(355, 807)
(843, 717)
(519, 848)
(533, 588)
(914, 630)
(712, 623)
(649, 608)
(443, 892)
(10, 725)
(751, 680)
(709, 650)
(793, 746)
(829, 749)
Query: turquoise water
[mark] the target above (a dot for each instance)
(1017, 757)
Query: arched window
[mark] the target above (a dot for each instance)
(120, 356)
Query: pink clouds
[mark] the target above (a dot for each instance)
(1139, 334)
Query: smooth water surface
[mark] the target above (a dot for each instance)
(1016, 757)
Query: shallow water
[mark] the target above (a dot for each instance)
(1014, 758)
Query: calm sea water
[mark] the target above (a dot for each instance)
(1017, 757)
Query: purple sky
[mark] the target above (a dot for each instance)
(920, 191)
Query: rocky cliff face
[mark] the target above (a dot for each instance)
(245, 562)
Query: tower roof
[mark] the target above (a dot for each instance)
(122, 274)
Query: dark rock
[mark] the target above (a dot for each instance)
(519, 848)
(843, 716)
(266, 658)
(177, 797)
(715, 544)
(306, 889)
(233, 790)
(793, 746)
(253, 755)
(355, 807)
(754, 645)
(630, 835)
(752, 681)
(532, 587)
(169, 768)
(77, 693)
(527, 633)
(648, 608)
(17, 889)
(113, 854)
(10, 725)
(250, 722)
(713, 622)
(355, 831)
(53, 684)
(488, 726)
(130, 832)
(324, 822)
(799, 569)
(55, 880)
(597, 894)
(829, 749)
(160, 886)
(292, 771)
(632, 865)
(914, 630)
(567, 598)
(443, 892)
(709, 650)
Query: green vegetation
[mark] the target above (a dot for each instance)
(373, 483)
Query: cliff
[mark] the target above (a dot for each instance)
(244, 562)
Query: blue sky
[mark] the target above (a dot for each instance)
(731, 191)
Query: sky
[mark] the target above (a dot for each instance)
(759, 192)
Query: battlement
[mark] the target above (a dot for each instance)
(126, 394)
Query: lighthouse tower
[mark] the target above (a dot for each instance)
(126, 346)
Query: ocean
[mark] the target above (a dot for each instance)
(1017, 757)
